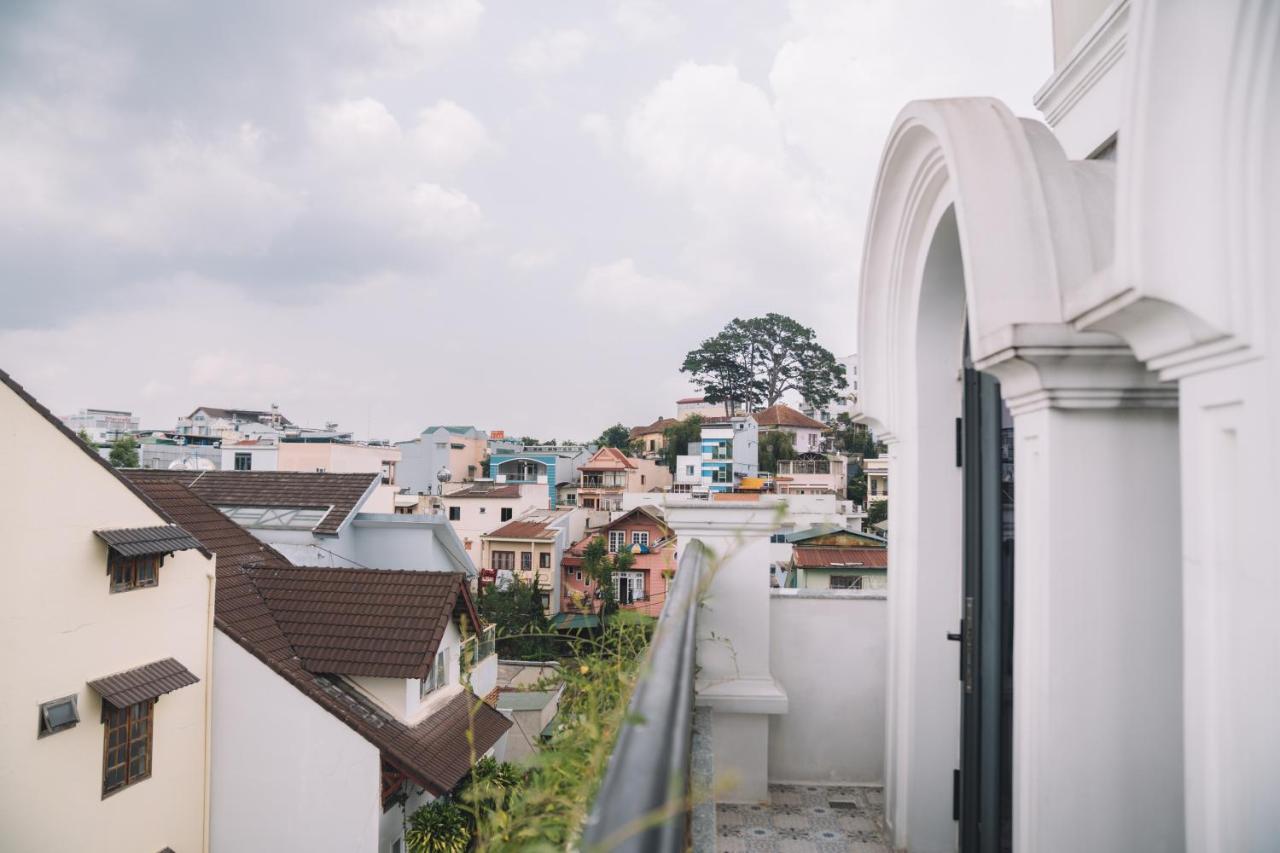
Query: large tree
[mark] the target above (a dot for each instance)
(774, 447)
(615, 436)
(678, 437)
(124, 452)
(753, 363)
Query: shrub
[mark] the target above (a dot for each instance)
(438, 827)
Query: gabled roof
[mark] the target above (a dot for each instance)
(819, 530)
(8, 381)
(660, 425)
(782, 415)
(608, 459)
(521, 528)
(240, 414)
(651, 512)
(833, 557)
(435, 752)
(372, 622)
(340, 495)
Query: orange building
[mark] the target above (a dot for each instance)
(643, 587)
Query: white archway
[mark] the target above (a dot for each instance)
(979, 218)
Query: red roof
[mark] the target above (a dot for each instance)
(691, 400)
(829, 557)
(783, 415)
(608, 459)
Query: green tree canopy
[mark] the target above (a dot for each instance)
(85, 437)
(776, 446)
(615, 436)
(599, 565)
(679, 437)
(850, 437)
(124, 452)
(522, 630)
(753, 363)
(877, 512)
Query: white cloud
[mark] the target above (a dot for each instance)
(599, 127)
(434, 212)
(447, 136)
(619, 288)
(644, 21)
(413, 34)
(551, 52)
(531, 260)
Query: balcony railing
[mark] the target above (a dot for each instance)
(642, 804)
(804, 466)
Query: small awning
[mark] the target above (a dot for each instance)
(141, 541)
(575, 620)
(144, 682)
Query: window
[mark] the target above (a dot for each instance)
(778, 537)
(642, 479)
(577, 575)
(502, 561)
(319, 470)
(526, 561)
(132, 572)
(628, 587)
(505, 514)
(244, 461)
(455, 513)
(57, 715)
(651, 444)
(640, 537)
(875, 486)
(720, 475)
(688, 470)
(126, 746)
(438, 676)
(617, 538)
(544, 560)
(846, 581)
(482, 510)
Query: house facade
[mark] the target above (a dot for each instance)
(653, 437)
(877, 473)
(475, 509)
(1101, 284)
(829, 557)
(103, 425)
(324, 455)
(546, 466)
(459, 450)
(230, 424)
(610, 473)
(730, 451)
(813, 474)
(806, 433)
(642, 587)
(362, 683)
(106, 625)
(531, 548)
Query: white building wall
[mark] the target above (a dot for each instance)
(288, 775)
(836, 714)
(61, 627)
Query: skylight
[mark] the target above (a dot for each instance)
(276, 517)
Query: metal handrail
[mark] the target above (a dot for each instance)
(642, 805)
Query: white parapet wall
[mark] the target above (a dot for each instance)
(828, 652)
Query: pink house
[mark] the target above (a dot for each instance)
(643, 587)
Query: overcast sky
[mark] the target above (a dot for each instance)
(514, 214)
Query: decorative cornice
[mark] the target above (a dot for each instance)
(1097, 53)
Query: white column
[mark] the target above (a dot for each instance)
(734, 678)
(1097, 694)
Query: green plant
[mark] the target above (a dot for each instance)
(678, 437)
(877, 512)
(522, 630)
(438, 827)
(124, 452)
(615, 436)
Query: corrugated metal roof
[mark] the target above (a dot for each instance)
(832, 557)
(140, 541)
(144, 682)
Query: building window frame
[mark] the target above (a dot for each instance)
(845, 582)
(617, 539)
(243, 461)
(526, 561)
(130, 573)
(544, 560)
(501, 561)
(50, 724)
(505, 513)
(127, 741)
(640, 537)
(455, 513)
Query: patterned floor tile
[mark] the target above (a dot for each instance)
(805, 819)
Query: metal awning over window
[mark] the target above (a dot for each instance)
(144, 682)
(143, 541)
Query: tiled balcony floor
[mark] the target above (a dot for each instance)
(805, 819)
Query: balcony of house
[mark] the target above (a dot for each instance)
(603, 481)
(746, 730)
(521, 471)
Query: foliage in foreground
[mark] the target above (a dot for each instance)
(438, 827)
(546, 812)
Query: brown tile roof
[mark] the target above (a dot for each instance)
(341, 494)
(434, 752)
(660, 425)
(522, 530)
(485, 490)
(783, 415)
(691, 400)
(138, 541)
(830, 557)
(143, 682)
(378, 623)
(608, 459)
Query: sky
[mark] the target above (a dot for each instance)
(495, 212)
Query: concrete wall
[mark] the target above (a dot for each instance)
(336, 457)
(61, 627)
(262, 457)
(828, 650)
(288, 775)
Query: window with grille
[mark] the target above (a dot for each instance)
(526, 560)
(617, 538)
(544, 560)
(244, 461)
(846, 581)
(502, 561)
(126, 744)
(133, 572)
(640, 537)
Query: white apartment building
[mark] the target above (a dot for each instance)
(106, 627)
(102, 425)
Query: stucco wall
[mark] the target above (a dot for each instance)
(61, 627)
(828, 650)
(288, 775)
